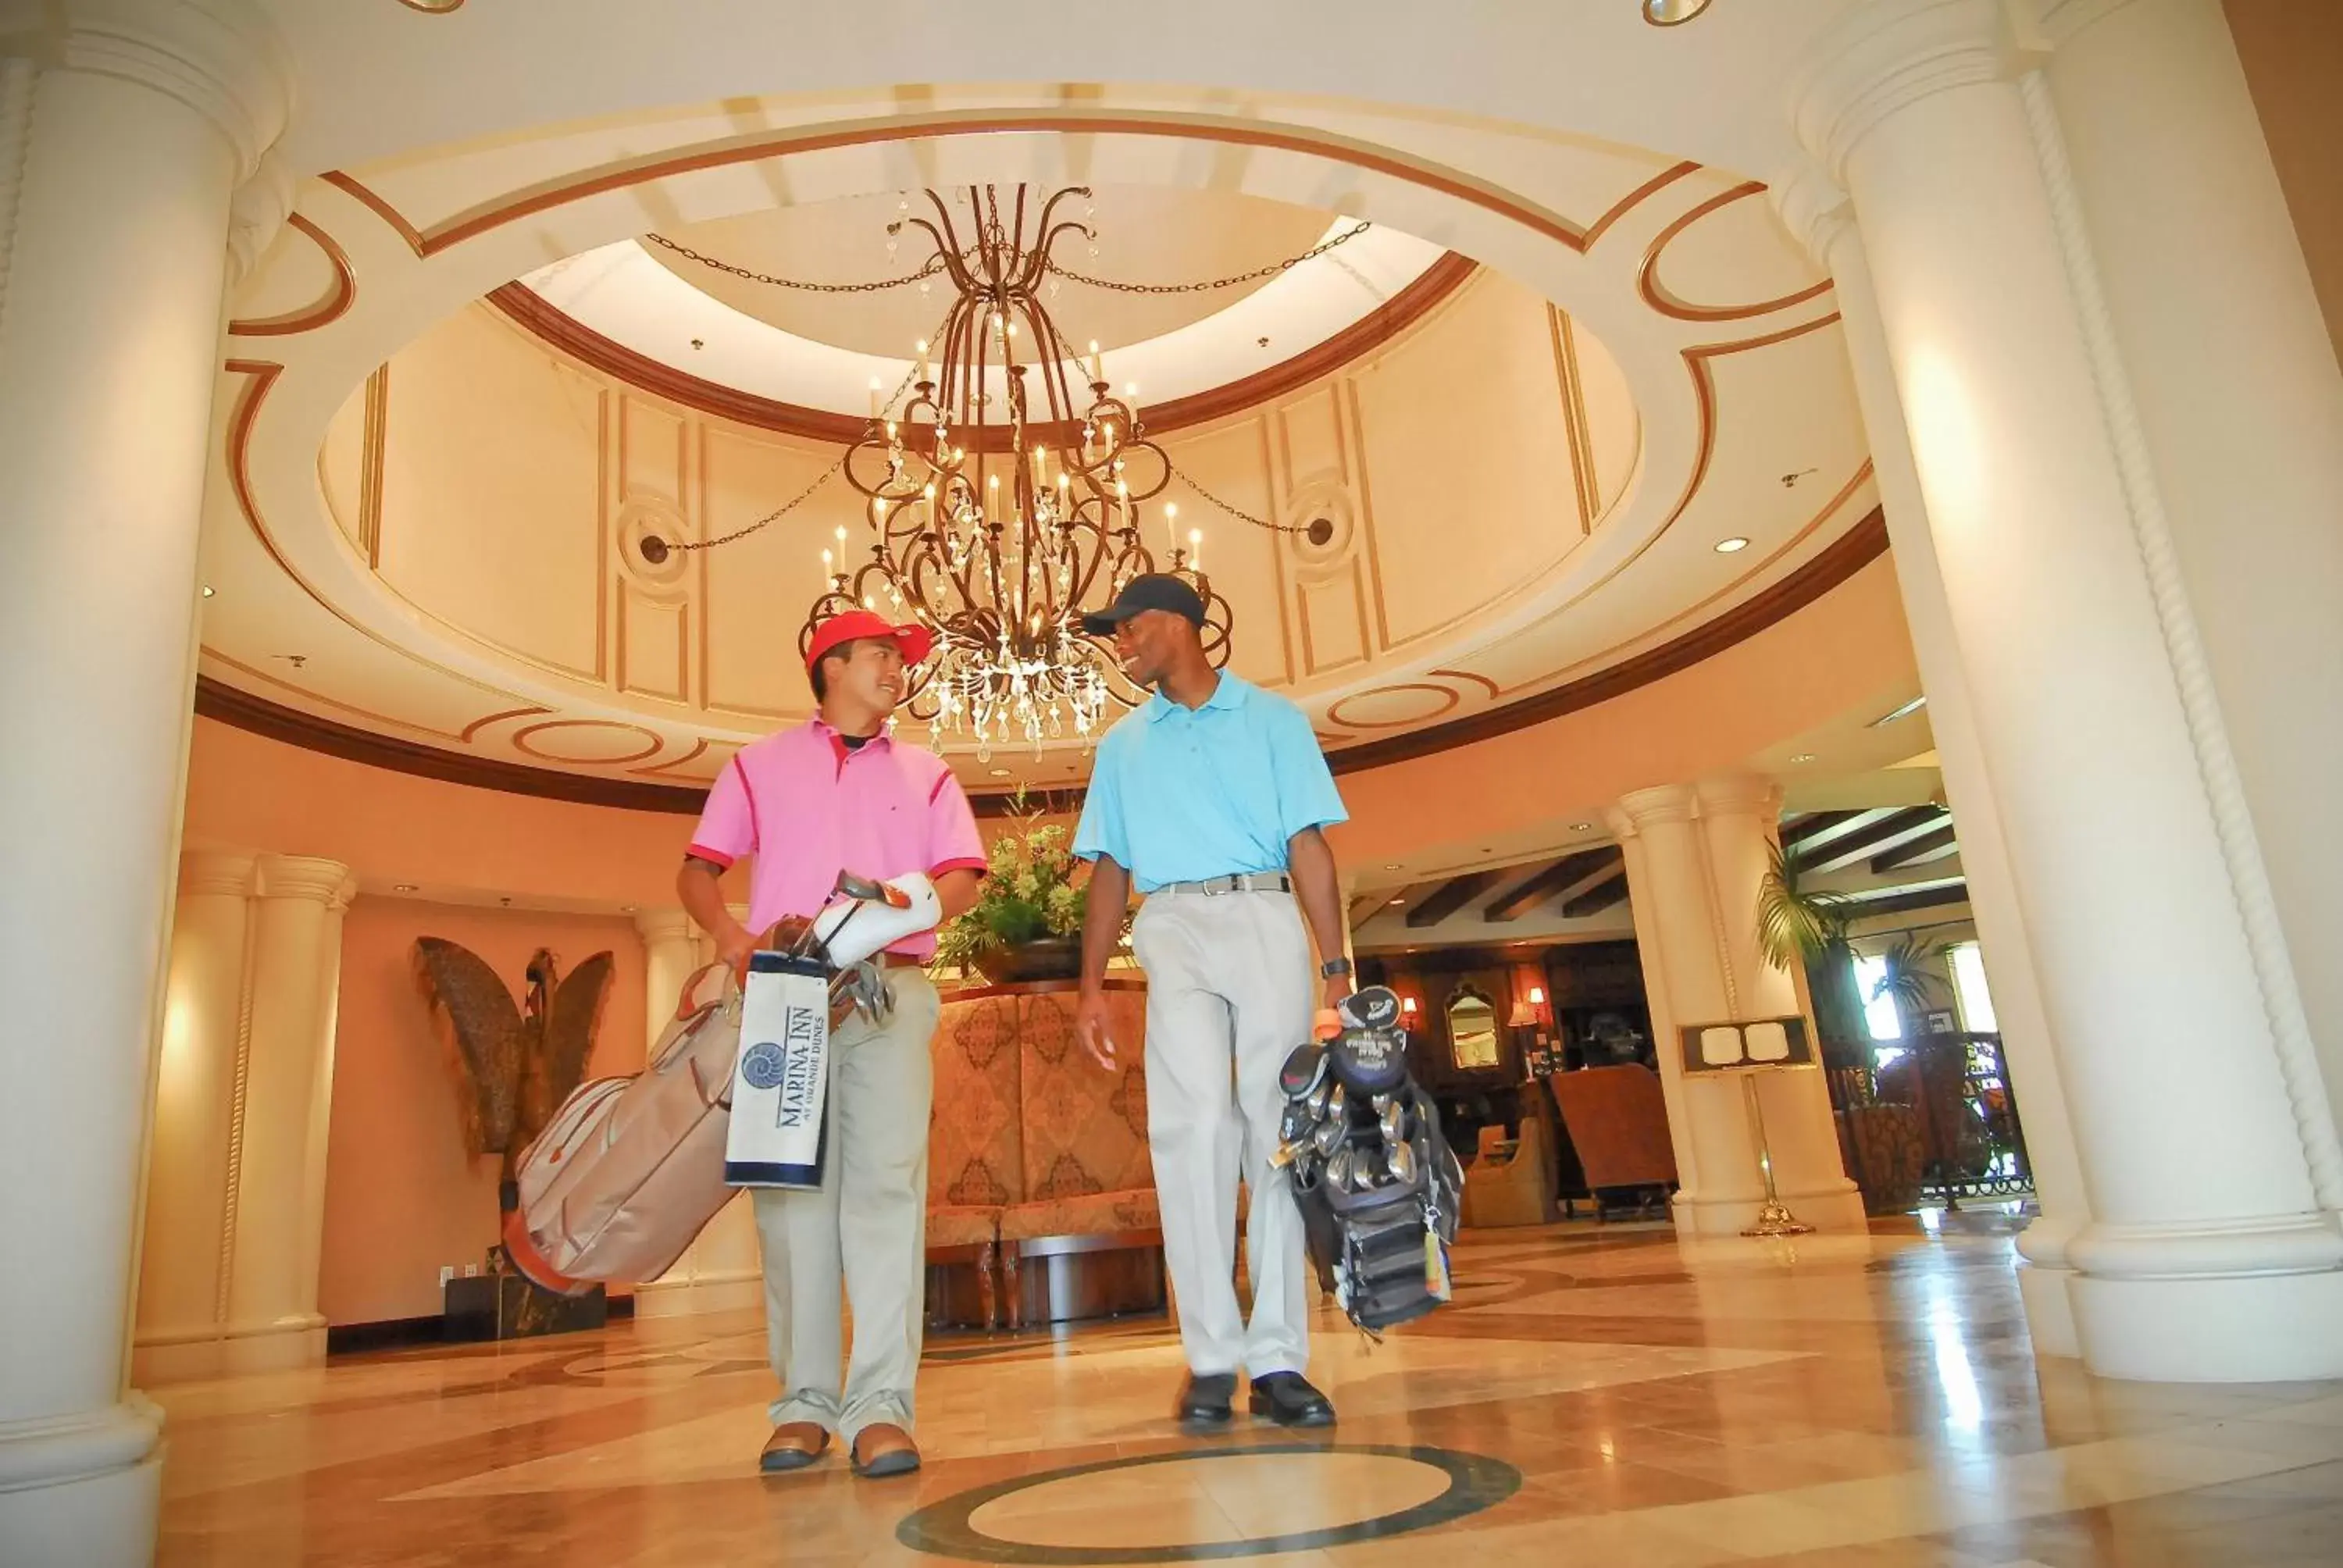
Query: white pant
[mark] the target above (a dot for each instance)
(1228, 981)
(869, 1223)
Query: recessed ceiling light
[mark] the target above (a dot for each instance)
(1399, 900)
(1732, 547)
(1906, 711)
(402, 887)
(626, 909)
(1580, 827)
(1001, 772)
(209, 590)
(1671, 12)
(1391, 865)
(1803, 757)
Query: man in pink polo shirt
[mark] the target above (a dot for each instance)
(836, 793)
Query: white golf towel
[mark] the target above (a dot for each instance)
(780, 1082)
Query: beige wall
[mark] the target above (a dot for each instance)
(401, 1196)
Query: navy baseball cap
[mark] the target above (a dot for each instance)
(1150, 590)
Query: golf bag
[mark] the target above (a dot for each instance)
(1378, 1186)
(629, 1170)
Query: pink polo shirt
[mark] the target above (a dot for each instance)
(807, 807)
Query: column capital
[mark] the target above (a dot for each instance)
(222, 58)
(1747, 794)
(303, 876)
(1815, 208)
(2050, 23)
(664, 925)
(215, 873)
(1640, 808)
(1886, 56)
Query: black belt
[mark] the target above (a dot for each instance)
(1247, 883)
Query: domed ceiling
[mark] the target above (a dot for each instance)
(463, 387)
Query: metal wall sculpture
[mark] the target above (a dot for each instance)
(512, 1063)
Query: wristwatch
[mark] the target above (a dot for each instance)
(1333, 966)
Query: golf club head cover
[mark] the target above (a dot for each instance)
(851, 930)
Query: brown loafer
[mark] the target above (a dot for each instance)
(793, 1446)
(883, 1450)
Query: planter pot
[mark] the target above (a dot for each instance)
(1050, 958)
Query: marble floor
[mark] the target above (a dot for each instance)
(1592, 1396)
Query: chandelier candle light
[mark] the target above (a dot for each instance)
(1000, 505)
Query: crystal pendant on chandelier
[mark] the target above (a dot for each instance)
(1000, 509)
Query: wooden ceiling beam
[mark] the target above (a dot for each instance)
(1894, 828)
(1598, 898)
(1554, 879)
(1912, 851)
(1450, 897)
(1903, 903)
(1798, 830)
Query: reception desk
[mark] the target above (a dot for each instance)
(1041, 1196)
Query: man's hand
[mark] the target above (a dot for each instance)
(1089, 1027)
(733, 947)
(1339, 989)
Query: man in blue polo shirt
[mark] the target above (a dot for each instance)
(1212, 797)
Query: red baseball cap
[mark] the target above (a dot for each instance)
(856, 624)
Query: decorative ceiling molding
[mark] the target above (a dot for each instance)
(1656, 295)
(338, 297)
(455, 230)
(529, 310)
(1862, 544)
(1844, 557)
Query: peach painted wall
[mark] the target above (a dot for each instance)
(1841, 653)
(401, 1196)
(246, 791)
(1838, 654)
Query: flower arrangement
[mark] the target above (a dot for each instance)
(1030, 899)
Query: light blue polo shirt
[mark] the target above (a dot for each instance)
(1181, 795)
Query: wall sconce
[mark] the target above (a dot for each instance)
(1407, 1007)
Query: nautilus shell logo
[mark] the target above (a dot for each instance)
(764, 1066)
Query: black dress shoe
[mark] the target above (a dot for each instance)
(1287, 1399)
(1206, 1402)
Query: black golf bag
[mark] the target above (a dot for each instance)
(1378, 1186)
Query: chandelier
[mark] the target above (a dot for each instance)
(1001, 505)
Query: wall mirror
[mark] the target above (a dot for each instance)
(1471, 1031)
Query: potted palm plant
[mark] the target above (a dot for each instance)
(1027, 921)
(1807, 926)
(1907, 977)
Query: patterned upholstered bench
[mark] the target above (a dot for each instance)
(1038, 1159)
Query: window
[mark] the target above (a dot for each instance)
(1969, 990)
(1878, 1011)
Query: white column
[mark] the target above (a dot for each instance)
(2228, 417)
(2209, 1256)
(720, 1270)
(181, 1273)
(140, 121)
(236, 1178)
(279, 1193)
(1818, 211)
(1696, 855)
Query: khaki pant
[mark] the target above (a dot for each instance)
(1229, 996)
(868, 1224)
